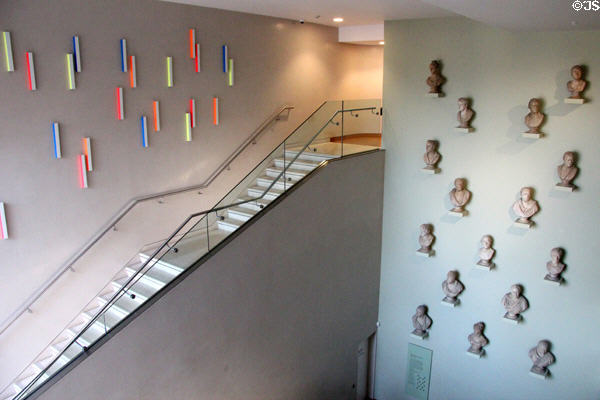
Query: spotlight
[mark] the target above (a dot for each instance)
(338, 19)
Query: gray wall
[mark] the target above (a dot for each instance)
(277, 313)
(500, 71)
(276, 62)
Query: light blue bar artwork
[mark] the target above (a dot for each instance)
(144, 130)
(56, 140)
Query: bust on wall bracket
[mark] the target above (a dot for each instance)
(431, 157)
(477, 340)
(452, 288)
(576, 86)
(514, 303)
(459, 196)
(426, 240)
(534, 119)
(464, 116)
(567, 171)
(421, 323)
(541, 357)
(435, 80)
(555, 267)
(486, 253)
(525, 208)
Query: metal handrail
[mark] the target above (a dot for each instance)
(26, 306)
(138, 274)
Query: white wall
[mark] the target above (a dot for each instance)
(277, 313)
(276, 62)
(500, 71)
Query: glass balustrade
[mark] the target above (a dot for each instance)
(318, 139)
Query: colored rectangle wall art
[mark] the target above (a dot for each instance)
(192, 43)
(8, 52)
(197, 64)
(132, 72)
(169, 71)
(224, 57)
(87, 152)
(188, 127)
(119, 107)
(144, 130)
(215, 111)
(83, 181)
(70, 72)
(155, 107)
(230, 80)
(3, 226)
(31, 83)
(76, 54)
(193, 112)
(123, 55)
(56, 140)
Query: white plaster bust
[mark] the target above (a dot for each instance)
(578, 84)
(426, 238)
(459, 196)
(567, 170)
(541, 357)
(525, 207)
(555, 267)
(431, 156)
(435, 80)
(535, 118)
(486, 253)
(465, 114)
(514, 303)
(421, 321)
(477, 339)
(452, 287)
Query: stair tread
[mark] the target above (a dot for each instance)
(231, 221)
(261, 189)
(242, 210)
(299, 160)
(290, 171)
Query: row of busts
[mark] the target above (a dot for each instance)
(567, 171)
(576, 86)
(533, 120)
(540, 355)
(555, 266)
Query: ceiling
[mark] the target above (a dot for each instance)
(526, 15)
(354, 12)
(514, 15)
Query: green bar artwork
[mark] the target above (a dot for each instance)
(418, 371)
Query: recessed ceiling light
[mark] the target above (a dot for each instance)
(338, 19)
(382, 42)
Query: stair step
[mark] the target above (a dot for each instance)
(295, 174)
(257, 191)
(309, 154)
(266, 181)
(304, 165)
(10, 392)
(149, 277)
(240, 213)
(254, 205)
(229, 224)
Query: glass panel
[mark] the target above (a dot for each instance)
(332, 131)
(362, 128)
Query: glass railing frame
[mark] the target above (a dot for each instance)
(145, 266)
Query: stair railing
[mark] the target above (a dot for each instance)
(68, 266)
(202, 222)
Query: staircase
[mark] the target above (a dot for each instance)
(158, 264)
(164, 270)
